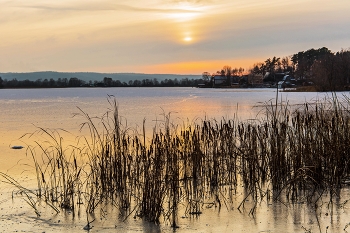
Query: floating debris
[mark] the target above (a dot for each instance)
(17, 147)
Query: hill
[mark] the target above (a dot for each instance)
(87, 76)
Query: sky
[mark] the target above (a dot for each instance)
(164, 36)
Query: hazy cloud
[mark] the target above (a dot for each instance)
(89, 35)
(101, 7)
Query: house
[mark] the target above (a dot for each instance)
(255, 79)
(273, 77)
(287, 81)
(219, 80)
(235, 80)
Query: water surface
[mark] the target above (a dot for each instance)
(24, 110)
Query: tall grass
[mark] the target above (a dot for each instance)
(299, 153)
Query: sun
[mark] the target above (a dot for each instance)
(188, 39)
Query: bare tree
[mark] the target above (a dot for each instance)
(227, 71)
(206, 76)
(240, 71)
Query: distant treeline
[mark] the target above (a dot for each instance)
(106, 82)
(327, 70)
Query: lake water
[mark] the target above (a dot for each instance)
(23, 110)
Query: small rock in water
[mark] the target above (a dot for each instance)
(87, 227)
(17, 147)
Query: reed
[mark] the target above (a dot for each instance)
(298, 153)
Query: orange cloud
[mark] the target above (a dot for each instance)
(196, 67)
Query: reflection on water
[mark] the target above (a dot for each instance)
(16, 216)
(24, 110)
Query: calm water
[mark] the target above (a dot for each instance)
(22, 111)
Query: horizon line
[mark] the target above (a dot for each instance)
(51, 71)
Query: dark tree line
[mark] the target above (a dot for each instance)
(274, 65)
(106, 82)
(327, 70)
(304, 61)
(185, 82)
(332, 71)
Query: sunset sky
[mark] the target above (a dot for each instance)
(164, 36)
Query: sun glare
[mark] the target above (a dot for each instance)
(184, 12)
(183, 16)
(187, 39)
